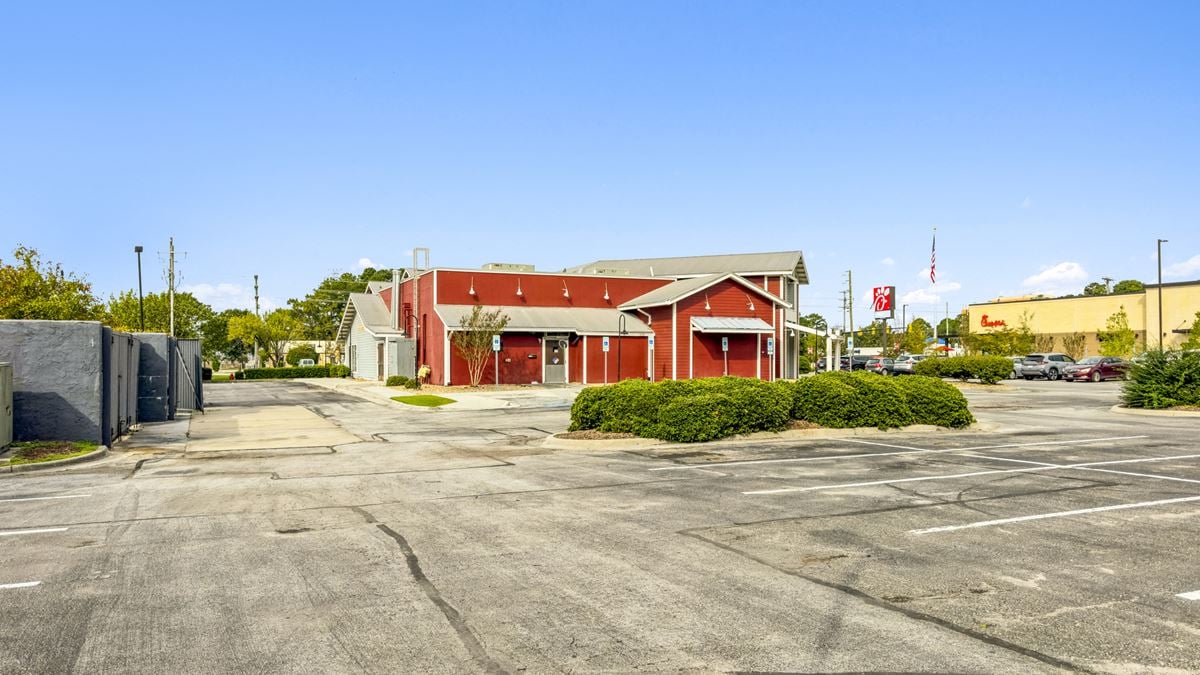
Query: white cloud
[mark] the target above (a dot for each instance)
(923, 273)
(228, 296)
(1065, 277)
(1187, 268)
(888, 261)
(1026, 203)
(364, 263)
(930, 295)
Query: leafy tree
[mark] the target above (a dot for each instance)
(915, 337)
(1043, 342)
(1095, 288)
(1117, 338)
(1073, 345)
(190, 314)
(1129, 286)
(271, 333)
(32, 289)
(473, 339)
(815, 321)
(215, 343)
(295, 354)
(320, 311)
(1193, 341)
(950, 327)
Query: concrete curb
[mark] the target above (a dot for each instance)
(1154, 413)
(99, 452)
(555, 443)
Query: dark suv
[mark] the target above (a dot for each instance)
(1049, 365)
(856, 362)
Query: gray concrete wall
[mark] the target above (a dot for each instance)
(58, 379)
(156, 377)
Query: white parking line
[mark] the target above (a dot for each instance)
(1116, 461)
(1057, 514)
(1194, 595)
(915, 451)
(23, 584)
(1041, 466)
(38, 499)
(12, 533)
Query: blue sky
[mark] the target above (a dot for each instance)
(1050, 143)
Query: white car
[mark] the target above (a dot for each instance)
(905, 363)
(307, 362)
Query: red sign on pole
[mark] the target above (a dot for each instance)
(884, 301)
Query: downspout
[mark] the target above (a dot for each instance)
(395, 299)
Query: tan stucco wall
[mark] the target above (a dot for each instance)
(1065, 316)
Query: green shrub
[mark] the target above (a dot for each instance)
(633, 406)
(339, 371)
(803, 365)
(397, 381)
(1163, 380)
(844, 400)
(295, 354)
(986, 369)
(703, 417)
(587, 412)
(933, 401)
(282, 373)
(413, 383)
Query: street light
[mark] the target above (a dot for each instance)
(141, 306)
(1160, 323)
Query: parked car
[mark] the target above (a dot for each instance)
(1016, 368)
(1096, 368)
(906, 363)
(1049, 365)
(879, 365)
(307, 362)
(856, 362)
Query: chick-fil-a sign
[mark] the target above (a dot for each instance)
(986, 323)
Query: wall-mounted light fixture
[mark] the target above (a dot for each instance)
(471, 291)
(707, 307)
(749, 302)
(606, 292)
(566, 293)
(519, 293)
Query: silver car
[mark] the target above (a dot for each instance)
(1049, 365)
(906, 363)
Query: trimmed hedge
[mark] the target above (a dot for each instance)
(397, 381)
(986, 369)
(702, 410)
(1163, 380)
(282, 373)
(339, 370)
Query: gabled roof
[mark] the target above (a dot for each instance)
(789, 263)
(578, 320)
(374, 314)
(376, 286)
(678, 290)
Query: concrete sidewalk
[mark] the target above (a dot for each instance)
(464, 399)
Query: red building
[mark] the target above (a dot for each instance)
(663, 318)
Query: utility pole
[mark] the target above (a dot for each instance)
(256, 363)
(1107, 284)
(141, 304)
(171, 282)
(1160, 323)
(850, 304)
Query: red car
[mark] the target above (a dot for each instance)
(1096, 368)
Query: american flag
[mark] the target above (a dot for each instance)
(933, 260)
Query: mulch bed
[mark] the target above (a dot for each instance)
(593, 435)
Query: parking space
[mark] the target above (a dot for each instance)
(1075, 545)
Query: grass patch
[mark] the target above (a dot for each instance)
(32, 452)
(423, 400)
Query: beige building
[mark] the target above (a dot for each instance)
(1061, 317)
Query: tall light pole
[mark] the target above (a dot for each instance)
(141, 305)
(1160, 323)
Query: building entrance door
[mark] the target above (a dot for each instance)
(379, 360)
(554, 364)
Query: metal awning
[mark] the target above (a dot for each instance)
(581, 320)
(730, 324)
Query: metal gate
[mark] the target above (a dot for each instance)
(190, 394)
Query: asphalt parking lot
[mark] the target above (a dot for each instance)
(1057, 537)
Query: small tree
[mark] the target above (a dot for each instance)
(32, 289)
(1073, 345)
(300, 352)
(1117, 338)
(1193, 341)
(473, 339)
(914, 338)
(271, 333)
(1095, 288)
(1043, 342)
(1128, 286)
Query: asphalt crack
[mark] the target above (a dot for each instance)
(465, 635)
